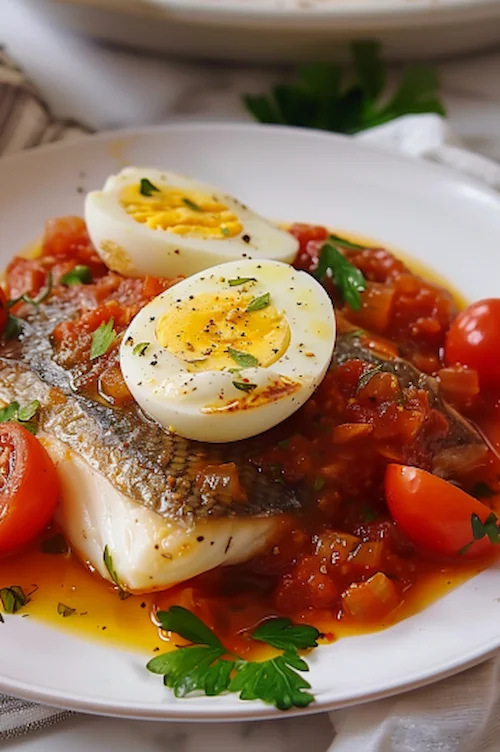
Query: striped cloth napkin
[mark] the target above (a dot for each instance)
(452, 716)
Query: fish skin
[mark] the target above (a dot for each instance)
(463, 446)
(148, 464)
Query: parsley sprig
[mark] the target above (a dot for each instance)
(490, 528)
(346, 277)
(207, 666)
(102, 339)
(26, 415)
(321, 98)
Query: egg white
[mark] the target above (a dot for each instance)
(182, 400)
(136, 250)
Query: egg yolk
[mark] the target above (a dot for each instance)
(206, 330)
(182, 212)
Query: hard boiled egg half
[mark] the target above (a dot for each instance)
(147, 221)
(231, 351)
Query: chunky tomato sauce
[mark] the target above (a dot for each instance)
(342, 565)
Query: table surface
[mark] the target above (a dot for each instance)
(110, 88)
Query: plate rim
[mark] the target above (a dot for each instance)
(257, 711)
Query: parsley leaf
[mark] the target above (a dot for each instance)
(102, 339)
(203, 666)
(13, 327)
(141, 348)
(240, 281)
(257, 304)
(243, 359)
(192, 205)
(22, 415)
(186, 624)
(319, 482)
(346, 277)
(339, 240)
(13, 598)
(42, 295)
(108, 563)
(64, 610)
(321, 99)
(283, 635)
(79, 275)
(367, 376)
(275, 681)
(243, 386)
(225, 231)
(490, 528)
(147, 188)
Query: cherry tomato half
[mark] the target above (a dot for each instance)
(433, 513)
(29, 487)
(473, 340)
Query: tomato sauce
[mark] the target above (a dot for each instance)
(343, 564)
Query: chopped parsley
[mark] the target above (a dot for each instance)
(206, 665)
(64, 610)
(108, 563)
(367, 376)
(23, 415)
(79, 275)
(346, 277)
(141, 348)
(243, 359)
(319, 483)
(42, 295)
(257, 304)
(192, 205)
(13, 598)
(102, 339)
(240, 281)
(490, 528)
(147, 188)
(243, 386)
(225, 231)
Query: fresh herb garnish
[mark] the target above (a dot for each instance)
(13, 327)
(240, 281)
(355, 333)
(102, 339)
(192, 205)
(345, 276)
(284, 444)
(22, 415)
(108, 563)
(13, 598)
(322, 100)
(367, 376)
(257, 304)
(42, 295)
(79, 275)
(141, 348)
(147, 188)
(243, 359)
(243, 386)
(55, 545)
(490, 528)
(64, 610)
(225, 231)
(207, 666)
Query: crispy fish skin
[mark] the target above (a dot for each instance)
(181, 480)
(463, 447)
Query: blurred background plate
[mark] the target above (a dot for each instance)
(284, 31)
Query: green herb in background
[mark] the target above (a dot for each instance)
(321, 98)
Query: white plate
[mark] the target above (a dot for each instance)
(436, 215)
(285, 30)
